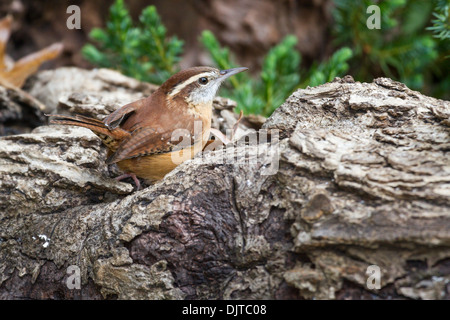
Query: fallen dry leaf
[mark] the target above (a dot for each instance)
(14, 75)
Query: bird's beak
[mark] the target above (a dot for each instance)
(224, 74)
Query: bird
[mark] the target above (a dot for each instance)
(149, 137)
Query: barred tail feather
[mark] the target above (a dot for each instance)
(109, 137)
(93, 124)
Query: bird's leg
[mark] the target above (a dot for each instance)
(132, 176)
(219, 135)
(236, 125)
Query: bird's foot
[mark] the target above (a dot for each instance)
(132, 176)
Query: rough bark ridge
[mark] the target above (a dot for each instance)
(363, 179)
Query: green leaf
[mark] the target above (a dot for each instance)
(164, 52)
(98, 35)
(94, 56)
(280, 73)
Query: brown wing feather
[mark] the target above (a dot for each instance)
(143, 141)
(116, 118)
(146, 141)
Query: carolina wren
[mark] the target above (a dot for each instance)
(139, 135)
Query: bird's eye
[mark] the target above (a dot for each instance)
(203, 80)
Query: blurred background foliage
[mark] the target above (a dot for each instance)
(141, 50)
(404, 48)
(412, 46)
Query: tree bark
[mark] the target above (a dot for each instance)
(359, 177)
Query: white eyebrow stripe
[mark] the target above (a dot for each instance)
(192, 79)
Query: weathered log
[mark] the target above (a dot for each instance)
(360, 176)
